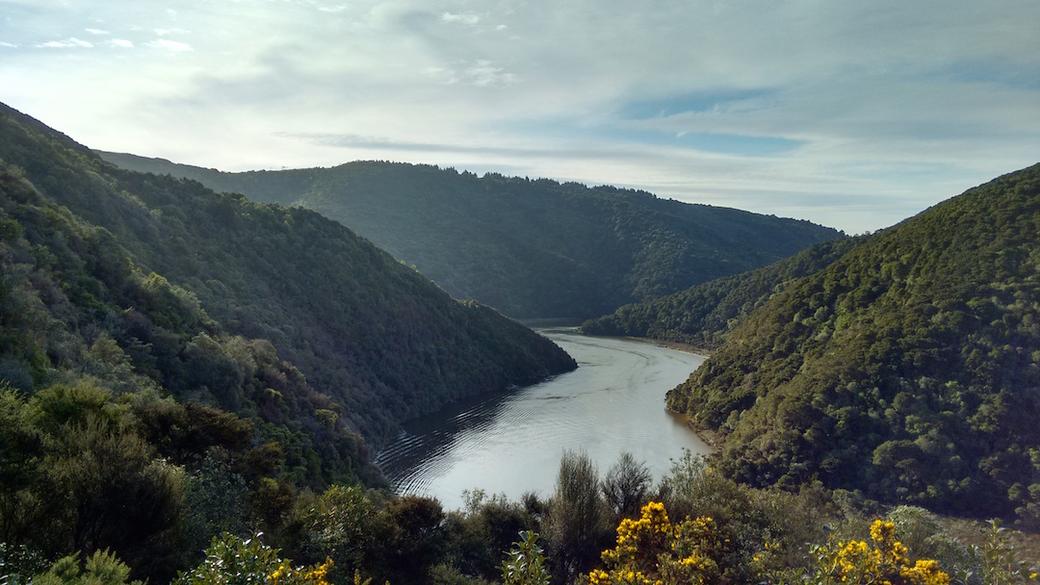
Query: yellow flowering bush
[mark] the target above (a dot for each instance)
(286, 574)
(231, 560)
(651, 550)
(883, 561)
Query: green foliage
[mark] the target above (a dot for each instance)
(100, 568)
(907, 368)
(86, 480)
(626, 486)
(767, 531)
(703, 314)
(577, 525)
(525, 562)
(530, 248)
(231, 560)
(1000, 560)
(381, 342)
(175, 363)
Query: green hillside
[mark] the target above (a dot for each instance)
(373, 334)
(909, 368)
(530, 248)
(174, 361)
(701, 315)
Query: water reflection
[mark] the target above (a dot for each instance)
(512, 443)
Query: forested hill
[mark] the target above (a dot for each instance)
(908, 368)
(702, 315)
(379, 340)
(530, 248)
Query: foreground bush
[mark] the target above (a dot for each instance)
(231, 560)
(883, 560)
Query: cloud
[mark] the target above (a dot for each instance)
(120, 43)
(853, 114)
(165, 32)
(480, 73)
(69, 43)
(7, 45)
(169, 45)
(484, 73)
(462, 18)
(96, 31)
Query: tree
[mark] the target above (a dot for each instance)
(626, 485)
(576, 522)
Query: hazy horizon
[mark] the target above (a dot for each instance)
(852, 116)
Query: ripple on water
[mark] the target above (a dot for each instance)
(511, 444)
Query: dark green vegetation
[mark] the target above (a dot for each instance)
(174, 362)
(372, 334)
(702, 315)
(756, 536)
(909, 368)
(530, 248)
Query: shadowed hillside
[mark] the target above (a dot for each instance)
(530, 248)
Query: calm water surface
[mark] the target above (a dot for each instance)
(512, 443)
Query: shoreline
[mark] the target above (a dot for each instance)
(709, 436)
(676, 345)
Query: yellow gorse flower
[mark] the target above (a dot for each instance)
(884, 560)
(651, 550)
(285, 574)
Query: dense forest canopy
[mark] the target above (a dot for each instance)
(175, 363)
(908, 368)
(377, 337)
(702, 315)
(530, 248)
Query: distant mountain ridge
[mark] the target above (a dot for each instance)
(907, 368)
(530, 248)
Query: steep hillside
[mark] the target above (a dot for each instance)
(701, 315)
(530, 248)
(908, 368)
(372, 334)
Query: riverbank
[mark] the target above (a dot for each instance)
(510, 444)
(696, 350)
(709, 436)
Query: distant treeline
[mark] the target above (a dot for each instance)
(529, 248)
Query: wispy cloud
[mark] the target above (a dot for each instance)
(7, 45)
(120, 43)
(96, 31)
(169, 45)
(463, 18)
(165, 32)
(69, 43)
(480, 73)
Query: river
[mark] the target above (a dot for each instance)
(511, 443)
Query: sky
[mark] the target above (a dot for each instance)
(851, 114)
